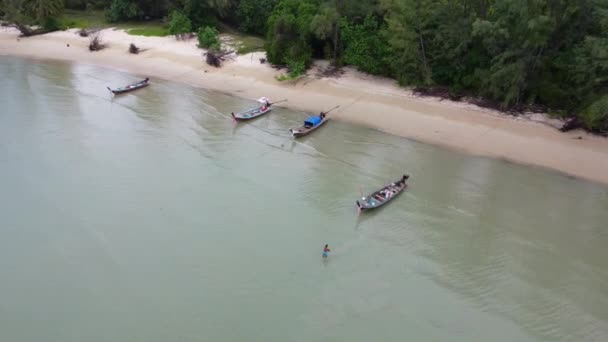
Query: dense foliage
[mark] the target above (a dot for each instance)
(552, 53)
(252, 15)
(208, 38)
(366, 46)
(39, 12)
(179, 23)
(123, 10)
(289, 37)
(515, 52)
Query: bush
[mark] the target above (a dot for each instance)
(179, 23)
(208, 38)
(595, 116)
(296, 68)
(51, 24)
(123, 10)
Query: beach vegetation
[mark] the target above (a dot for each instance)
(295, 69)
(179, 23)
(71, 18)
(513, 54)
(365, 46)
(289, 39)
(595, 115)
(144, 29)
(252, 15)
(32, 16)
(123, 10)
(208, 38)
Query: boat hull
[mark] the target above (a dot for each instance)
(251, 114)
(303, 130)
(381, 197)
(129, 88)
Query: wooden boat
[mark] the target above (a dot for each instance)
(251, 114)
(130, 87)
(310, 125)
(256, 112)
(383, 196)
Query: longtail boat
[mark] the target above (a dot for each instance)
(311, 124)
(130, 87)
(383, 196)
(255, 112)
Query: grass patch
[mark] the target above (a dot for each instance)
(288, 77)
(96, 19)
(241, 42)
(283, 77)
(148, 31)
(248, 44)
(82, 19)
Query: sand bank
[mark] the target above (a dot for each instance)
(367, 100)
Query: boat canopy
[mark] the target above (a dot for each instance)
(313, 120)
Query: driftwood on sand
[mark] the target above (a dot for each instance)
(134, 49)
(215, 58)
(28, 31)
(571, 124)
(95, 43)
(87, 32)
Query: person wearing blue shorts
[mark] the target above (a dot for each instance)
(326, 251)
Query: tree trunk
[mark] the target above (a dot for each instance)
(336, 34)
(423, 55)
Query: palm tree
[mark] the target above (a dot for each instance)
(40, 10)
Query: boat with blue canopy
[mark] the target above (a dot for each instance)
(311, 124)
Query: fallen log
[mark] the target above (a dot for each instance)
(570, 124)
(27, 31)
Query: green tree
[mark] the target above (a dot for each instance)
(123, 10)
(205, 12)
(595, 116)
(208, 38)
(27, 12)
(179, 23)
(325, 26)
(412, 28)
(366, 46)
(41, 10)
(289, 36)
(252, 15)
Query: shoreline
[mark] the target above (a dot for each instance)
(367, 100)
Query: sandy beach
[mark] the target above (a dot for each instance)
(372, 101)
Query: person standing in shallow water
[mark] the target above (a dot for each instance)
(326, 251)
